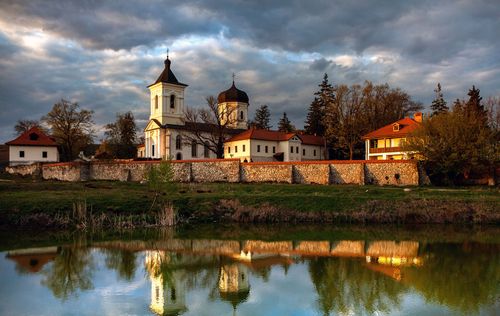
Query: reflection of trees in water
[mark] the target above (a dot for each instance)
(345, 285)
(463, 277)
(70, 272)
(122, 261)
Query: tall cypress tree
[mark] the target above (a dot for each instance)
(438, 105)
(262, 118)
(315, 117)
(284, 125)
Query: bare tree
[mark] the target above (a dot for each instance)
(24, 125)
(70, 126)
(209, 126)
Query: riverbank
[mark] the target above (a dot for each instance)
(28, 203)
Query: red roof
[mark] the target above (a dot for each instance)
(264, 134)
(33, 137)
(406, 126)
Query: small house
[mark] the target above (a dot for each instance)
(32, 146)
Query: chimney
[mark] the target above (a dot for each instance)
(418, 117)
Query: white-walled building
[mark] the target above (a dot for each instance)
(264, 145)
(166, 134)
(386, 143)
(32, 146)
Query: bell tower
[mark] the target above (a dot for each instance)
(167, 97)
(233, 106)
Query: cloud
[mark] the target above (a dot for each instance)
(103, 54)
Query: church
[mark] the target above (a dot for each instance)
(169, 134)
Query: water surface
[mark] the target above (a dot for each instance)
(264, 271)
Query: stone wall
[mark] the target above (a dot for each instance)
(347, 173)
(25, 170)
(71, 171)
(216, 171)
(307, 173)
(231, 170)
(266, 172)
(392, 173)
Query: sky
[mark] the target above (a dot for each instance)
(103, 54)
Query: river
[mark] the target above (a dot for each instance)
(253, 270)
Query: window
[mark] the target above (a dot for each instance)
(178, 142)
(303, 152)
(395, 127)
(235, 149)
(228, 149)
(297, 149)
(258, 148)
(205, 151)
(173, 297)
(179, 156)
(44, 154)
(21, 154)
(291, 149)
(156, 102)
(274, 149)
(265, 149)
(315, 153)
(241, 116)
(244, 148)
(152, 150)
(194, 149)
(172, 101)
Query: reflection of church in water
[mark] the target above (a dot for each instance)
(168, 297)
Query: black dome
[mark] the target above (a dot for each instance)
(233, 94)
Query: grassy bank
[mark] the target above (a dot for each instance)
(47, 203)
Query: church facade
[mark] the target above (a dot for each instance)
(169, 134)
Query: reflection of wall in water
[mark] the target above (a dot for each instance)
(167, 296)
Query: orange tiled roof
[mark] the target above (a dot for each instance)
(264, 134)
(406, 126)
(33, 137)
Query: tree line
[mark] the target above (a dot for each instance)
(72, 128)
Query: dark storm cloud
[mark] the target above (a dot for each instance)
(104, 53)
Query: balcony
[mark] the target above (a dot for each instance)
(385, 150)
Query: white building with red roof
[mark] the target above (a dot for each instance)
(386, 142)
(255, 145)
(32, 146)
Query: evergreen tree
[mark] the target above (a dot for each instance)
(474, 107)
(438, 105)
(262, 118)
(315, 117)
(284, 125)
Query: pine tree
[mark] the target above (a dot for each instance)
(473, 107)
(315, 117)
(284, 125)
(262, 118)
(438, 105)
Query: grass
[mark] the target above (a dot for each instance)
(22, 196)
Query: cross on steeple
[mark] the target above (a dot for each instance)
(233, 77)
(167, 52)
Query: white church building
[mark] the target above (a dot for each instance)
(167, 134)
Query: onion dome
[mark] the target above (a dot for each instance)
(233, 94)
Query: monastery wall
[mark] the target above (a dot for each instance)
(396, 172)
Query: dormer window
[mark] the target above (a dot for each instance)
(156, 102)
(395, 127)
(33, 136)
(172, 101)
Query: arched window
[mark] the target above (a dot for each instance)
(194, 149)
(156, 102)
(206, 153)
(179, 156)
(241, 116)
(172, 101)
(178, 142)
